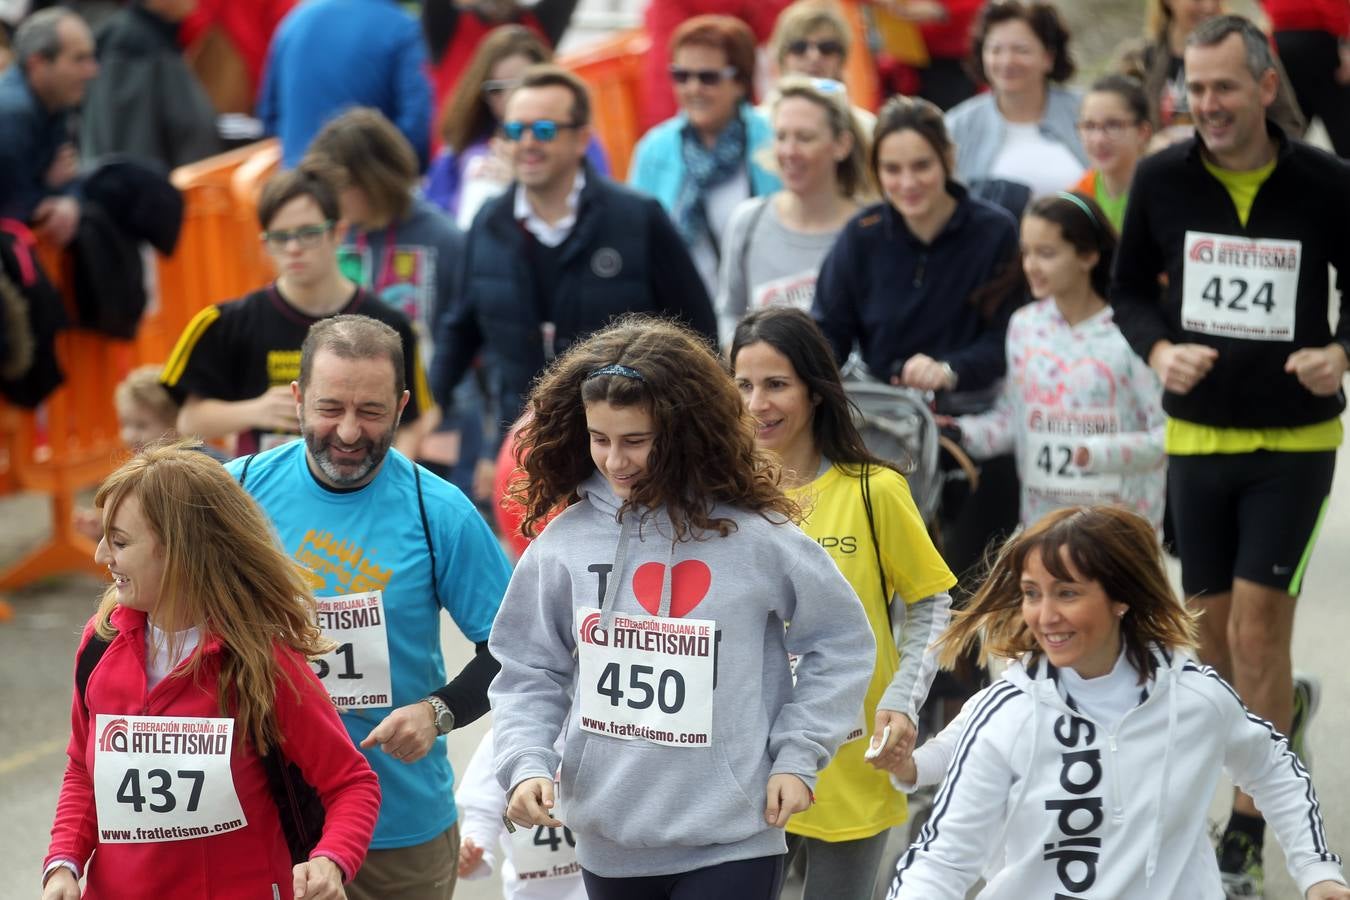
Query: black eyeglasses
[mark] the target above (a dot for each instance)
(543, 130)
(708, 77)
(1112, 128)
(494, 86)
(824, 48)
(307, 236)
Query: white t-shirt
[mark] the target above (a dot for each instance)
(159, 661)
(1029, 157)
(721, 200)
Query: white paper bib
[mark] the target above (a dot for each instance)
(1053, 434)
(164, 778)
(356, 674)
(545, 852)
(796, 291)
(1240, 287)
(646, 678)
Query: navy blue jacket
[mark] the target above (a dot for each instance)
(897, 296)
(29, 139)
(623, 255)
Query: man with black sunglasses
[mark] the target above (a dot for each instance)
(558, 255)
(233, 365)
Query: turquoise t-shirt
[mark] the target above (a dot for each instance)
(373, 538)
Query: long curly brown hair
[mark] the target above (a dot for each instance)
(704, 451)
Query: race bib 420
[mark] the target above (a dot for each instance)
(1240, 287)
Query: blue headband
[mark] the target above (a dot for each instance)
(616, 369)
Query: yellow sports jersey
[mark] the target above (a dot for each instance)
(1241, 186)
(854, 800)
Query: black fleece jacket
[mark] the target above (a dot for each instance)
(1305, 199)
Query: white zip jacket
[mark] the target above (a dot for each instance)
(1082, 812)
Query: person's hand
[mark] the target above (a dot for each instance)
(470, 857)
(484, 479)
(788, 795)
(64, 169)
(1319, 369)
(274, 410)
(406, 734)
(57, 219)
(924, 373)
(88, 522)
(1181, 367)
(317, 879)
(498, 165)
(906, 770)
(900, 744)
(1328, 890)
(1342, 75)
(63, 885)
(1082, 456)
(530, 803)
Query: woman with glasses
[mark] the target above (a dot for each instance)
(471, 168)
(1020, 139)
(775, 244)
(1114, 126)
(812, 39)
(701, 163)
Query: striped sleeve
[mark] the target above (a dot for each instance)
(187, 342)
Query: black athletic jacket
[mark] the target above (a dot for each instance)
(1307, 199)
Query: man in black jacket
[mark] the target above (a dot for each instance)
(1244, 222)
(557, 256)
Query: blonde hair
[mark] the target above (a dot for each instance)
(142, 388)
(851, 173)
(223, 573)
(1110, 545)
(804, 17)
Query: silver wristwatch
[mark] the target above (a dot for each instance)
(445, 719)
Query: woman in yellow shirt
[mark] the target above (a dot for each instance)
(860, 510)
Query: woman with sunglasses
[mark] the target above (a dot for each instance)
(775, 244)
(471, 168)
(811, 39)
(701, 163)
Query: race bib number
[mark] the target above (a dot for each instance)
(545, 851)
(356, 674)
(647, 678)
(1239, 287)
(164, 778)
(270, 440)
(1053, 436)
(796, 291)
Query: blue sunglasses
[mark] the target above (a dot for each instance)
(543, 130)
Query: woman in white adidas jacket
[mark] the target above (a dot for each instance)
(1093, 761)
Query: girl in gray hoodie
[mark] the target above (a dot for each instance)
(650, 620)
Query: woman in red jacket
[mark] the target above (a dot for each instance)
(201, 687)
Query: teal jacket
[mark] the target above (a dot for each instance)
(658, 164)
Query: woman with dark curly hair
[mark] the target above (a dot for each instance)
(650, 618)
(1024, 130)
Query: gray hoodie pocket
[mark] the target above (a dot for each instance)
(642, 795)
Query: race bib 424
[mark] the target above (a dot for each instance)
(1240, 287)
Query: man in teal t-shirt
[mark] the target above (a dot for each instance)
(387, 545)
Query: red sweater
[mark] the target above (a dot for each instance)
(1309, 15)
(238, 864)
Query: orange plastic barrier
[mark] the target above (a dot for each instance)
(69, 443)
(613, 71)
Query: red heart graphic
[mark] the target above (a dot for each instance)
(689, 583)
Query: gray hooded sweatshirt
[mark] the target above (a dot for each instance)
(642, 808)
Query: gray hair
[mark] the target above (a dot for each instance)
(1254, 41)
(37, 35)
(352, 337)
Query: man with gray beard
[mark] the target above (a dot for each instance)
(387, 545)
